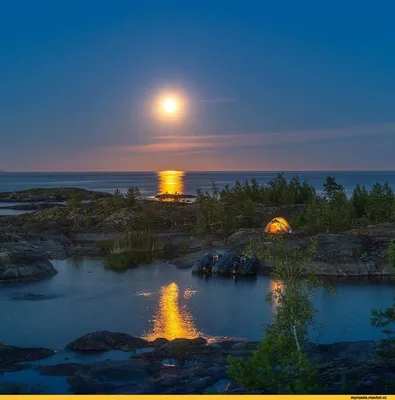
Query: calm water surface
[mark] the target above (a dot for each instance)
(152, 183)
(161, 301)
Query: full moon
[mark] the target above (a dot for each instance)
(170, 105)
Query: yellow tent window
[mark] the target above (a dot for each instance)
(278, 225)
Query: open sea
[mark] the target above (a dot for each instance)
(152, 183)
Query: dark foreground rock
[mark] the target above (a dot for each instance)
(11, 355)
(345, 367)
(20, 269)
(104, 340)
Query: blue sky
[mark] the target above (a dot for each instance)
(279, 85)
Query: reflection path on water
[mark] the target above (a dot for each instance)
(275, 288)
(171, 182)
(159, 300)
(172, 320)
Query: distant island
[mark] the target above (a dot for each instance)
(174, 197)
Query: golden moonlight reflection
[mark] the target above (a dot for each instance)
(275, 286)
(171, 321)
(171, 182)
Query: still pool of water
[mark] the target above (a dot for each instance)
(8, 211)
(160, 301)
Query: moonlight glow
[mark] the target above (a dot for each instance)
(170, 105)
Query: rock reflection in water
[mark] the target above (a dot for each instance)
(171, 320)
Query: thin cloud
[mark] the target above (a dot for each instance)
(219, 100)
(198, 143)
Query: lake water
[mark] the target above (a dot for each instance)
(161, 301)
(152, 183)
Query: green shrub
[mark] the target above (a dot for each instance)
(299, 220)
(132, 196)
(120, 261)
(149, 218)
(135, 241)
(118, 200)
(333, 216)
(331, 187)
(359, 200)
(105, 245)
(380, 203)
(75, 202)
(235, 207)
(276, 367)
(280, 364)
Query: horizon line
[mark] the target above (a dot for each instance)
(187, 171)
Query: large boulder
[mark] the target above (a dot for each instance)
(104, 340)
(17, 268)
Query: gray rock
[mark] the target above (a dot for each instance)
(10, 355)
(158, 342)
(104, 340)
(21, 268)
(184, 342)
(345, 255)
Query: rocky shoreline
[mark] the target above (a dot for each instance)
(193, 366)
(62, 232)
(182, 366)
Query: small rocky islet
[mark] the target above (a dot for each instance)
(191, 366)
(29, 241)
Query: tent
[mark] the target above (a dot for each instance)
(278, 225)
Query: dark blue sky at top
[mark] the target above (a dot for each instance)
(75, 77)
